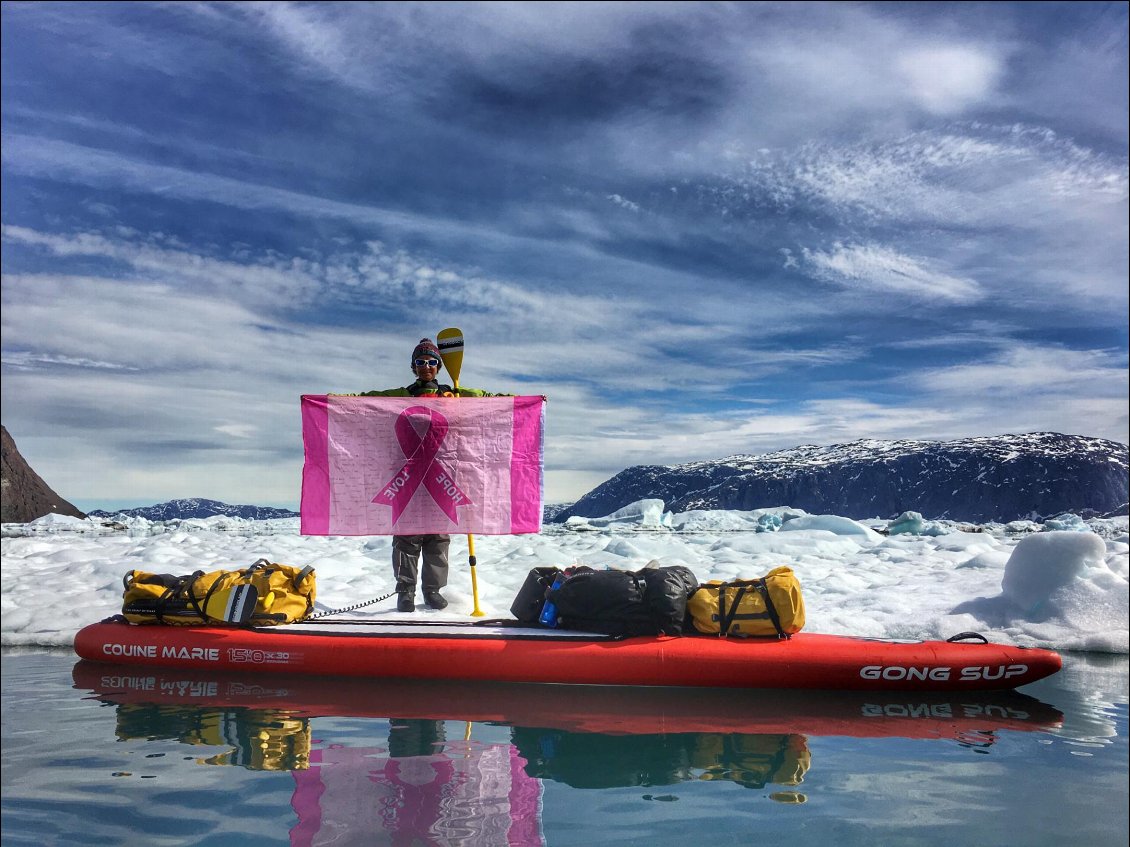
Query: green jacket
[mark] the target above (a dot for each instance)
(430, 389)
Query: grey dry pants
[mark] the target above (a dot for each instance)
(406, 551)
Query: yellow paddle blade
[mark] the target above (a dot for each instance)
(450, 343)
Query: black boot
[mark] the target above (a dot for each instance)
(435, 600)
(406, 601)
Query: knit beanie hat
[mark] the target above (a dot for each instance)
(426, 347)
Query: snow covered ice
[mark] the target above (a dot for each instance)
(1061, 585)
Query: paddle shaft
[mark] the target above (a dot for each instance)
(454, 363)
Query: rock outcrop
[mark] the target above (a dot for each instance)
(25, 495)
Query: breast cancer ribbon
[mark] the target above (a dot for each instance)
(422, 467)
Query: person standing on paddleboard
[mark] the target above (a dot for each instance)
(407, 549)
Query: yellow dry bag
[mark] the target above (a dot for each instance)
(265, 593)
(772, 605)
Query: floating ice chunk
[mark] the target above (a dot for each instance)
(641, 513)
(831, 523)
(912, 523)
(769, 523)
(1043, 563)
(1066, 522)
(53, 520)
(722, 520)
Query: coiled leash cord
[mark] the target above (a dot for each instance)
(352, 608)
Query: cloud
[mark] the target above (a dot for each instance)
(985, 397)
(948, 79)
(277, 283)
(965, 175)
(238, 430)
(875, 268)
(313, 35)
(624, 203)
(125, 326)
(24, 361)
(359, 44)
(1030, 370)
(156, 258)
(108, 169)
(649, 86)
(161, 307)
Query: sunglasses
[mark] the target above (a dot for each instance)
(426, 363)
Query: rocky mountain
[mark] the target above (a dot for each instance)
(194, 507)
(551, 510)
(198, 508)
(997, 478)
(25, 495)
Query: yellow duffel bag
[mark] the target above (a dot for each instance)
(263, 594)
(772, 605)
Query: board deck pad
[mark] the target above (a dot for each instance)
(432, 629)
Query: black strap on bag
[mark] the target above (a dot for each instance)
(726, 618)
(763, 587)
(199, 606)
(179, 593)
(180, 596)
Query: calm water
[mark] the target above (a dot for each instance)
(94, 754)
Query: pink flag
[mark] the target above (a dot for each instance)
(414, 465)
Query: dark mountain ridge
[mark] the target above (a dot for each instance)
(196, 507)
(982, 480)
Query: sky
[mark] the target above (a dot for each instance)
(1061, 586)
(700, 229)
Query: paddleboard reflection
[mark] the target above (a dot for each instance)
(610, 710)
(430, 777)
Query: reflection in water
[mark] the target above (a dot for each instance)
(259, 739)
(607, 761)
(422, 787)
(418, 789)
(459, 793)
(583, 708)
(1091, 690)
